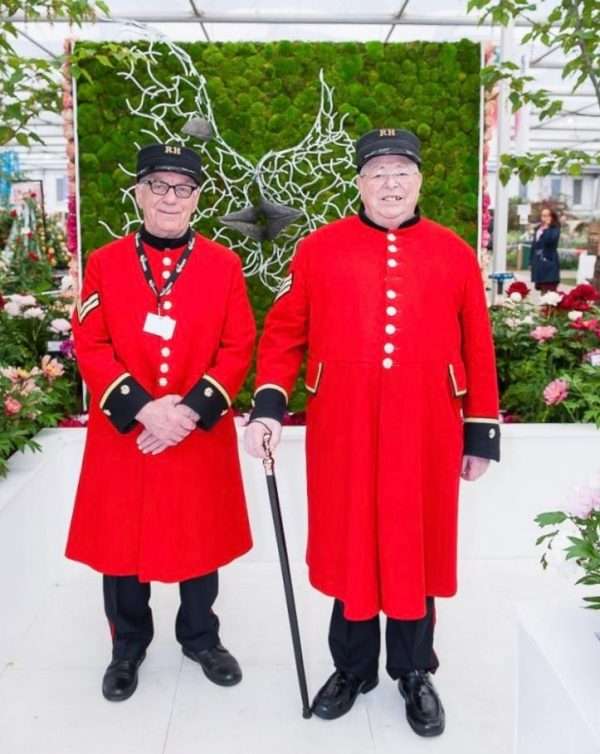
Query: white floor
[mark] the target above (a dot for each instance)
(52, 657)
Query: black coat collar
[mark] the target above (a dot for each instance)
(164, 243)
(406, 224)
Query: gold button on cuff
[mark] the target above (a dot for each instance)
(165, 352)
(492, 434)
(208, 392)
(387, 363)
(124, 389)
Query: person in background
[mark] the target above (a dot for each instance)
(545, 264)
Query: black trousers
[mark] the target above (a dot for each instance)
(126, 603)
(355, 645)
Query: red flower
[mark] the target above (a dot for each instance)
(518, 287)
(33, 257)
(580, 298)
(13, 213)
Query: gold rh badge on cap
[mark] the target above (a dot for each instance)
(172, 150)
(387, 131)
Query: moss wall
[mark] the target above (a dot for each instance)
(266, 96)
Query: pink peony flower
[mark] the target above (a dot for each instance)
(51, 368)
(12, 309)
(35, 312)
(543, 333)
(60, 325)
(583, 501)
(555, 392)
(11, 406)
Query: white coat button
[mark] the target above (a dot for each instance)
(167, 305)
(163, 381)
(492, 434)
(391, 237)
(390, 329)
(391, 311)
(167, 261)
(391, 294)
(389, 348)
(125, 389)
(387, 363)
(392, 248)
(208, 392)
(165, 352)
(392, 263)
(166, 274)
(164, 368)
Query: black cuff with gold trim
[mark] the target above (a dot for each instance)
(207, 401)
(122, 403)
(269, 403)
(482, 439)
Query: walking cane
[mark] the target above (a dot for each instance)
(269, 465)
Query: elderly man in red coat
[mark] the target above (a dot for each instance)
(390, 309)
(164, 335)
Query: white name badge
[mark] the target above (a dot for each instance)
(162, 326)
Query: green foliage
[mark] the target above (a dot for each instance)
(265, 97)
(570, 27)
(32, 85)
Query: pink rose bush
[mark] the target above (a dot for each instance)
(555, 392)
(542, 333)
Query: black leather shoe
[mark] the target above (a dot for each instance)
(218, 665)
(339, 693)
(424, 710)
(121, 679)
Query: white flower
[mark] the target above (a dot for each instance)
(66, 283)
(550, 298)
(23, 300)
(516, 297)
(573, 316)
(528, 320)
(36, 312)
(60, 325)
(12, 309)
(513, 322)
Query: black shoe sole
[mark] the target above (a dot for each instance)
(364, 688)
(216, 681)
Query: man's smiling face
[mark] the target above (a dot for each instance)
(166, 216)
(389, 187)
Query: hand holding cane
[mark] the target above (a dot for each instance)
(269, 464)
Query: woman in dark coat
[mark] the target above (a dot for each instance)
(545, 264)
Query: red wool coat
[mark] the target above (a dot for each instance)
(182, 513)
(400, 363)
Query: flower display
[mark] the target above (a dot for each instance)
(579, 519)
(60, 325)
(543, 333)
(518, 287)
(551, 298)
(11, 406)
(556, 392)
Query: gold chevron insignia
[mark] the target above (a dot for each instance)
(87, 306)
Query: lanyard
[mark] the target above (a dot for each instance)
(175, 273)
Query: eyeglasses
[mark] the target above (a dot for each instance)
(382, 177)
(181, 190)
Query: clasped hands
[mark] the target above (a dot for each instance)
(166, 423)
